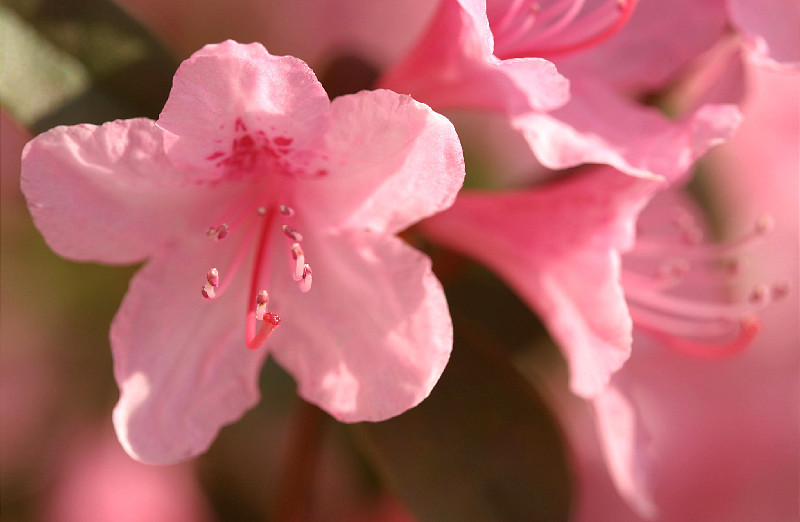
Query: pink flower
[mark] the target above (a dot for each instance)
(560, 246)
(456, 64)
(249, 178)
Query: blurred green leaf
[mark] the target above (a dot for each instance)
(130, 71)
(483, 446)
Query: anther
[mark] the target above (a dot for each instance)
(212, 282)
(758, 295)
(219, 232)
(261, 211)
(292, 233)
(286, 210)
(262, 301)
(305, 281)
(213, 277)
(299, 259)
(780, 290)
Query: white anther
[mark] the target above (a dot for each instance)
(261, 211)
(299, 259)
(286, 210)
(305, 281)
(208, 291)
(262, 301)
(213, 277)
(219, 232)
(292, 233)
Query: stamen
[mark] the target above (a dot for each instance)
(546, 28)
(706, 328)
(305, 281)
(299, 261)
(286, 210)
(292, 233)
(261, 211)
(219, 232)
(213, 277)
(262, 301)
(212, 282)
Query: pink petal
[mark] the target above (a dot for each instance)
(180, 361)
(230, 87)
(626, 448)
(654, 47)
(559, 246)
(393, 162)
(452, 66)
(105, 193)
(601, 126)
(773, 31)
(372, 337)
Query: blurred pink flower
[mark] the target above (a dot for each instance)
(488, 55)
(456, 64)
(250, 176)
(95, 481)
(685, 440)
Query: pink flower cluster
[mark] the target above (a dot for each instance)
(251, 180)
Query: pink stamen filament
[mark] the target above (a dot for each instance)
(522, 40)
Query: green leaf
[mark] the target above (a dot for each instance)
(483, 446)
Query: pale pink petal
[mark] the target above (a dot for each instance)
(227, 88)
(106, 193)
(559, 246)
(656, 44)
(180, 360)
(626, 448)
(372, 336)
(452, 66)
(393, 161)
(773, 30)
(600, 126)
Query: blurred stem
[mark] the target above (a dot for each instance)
(296, 476)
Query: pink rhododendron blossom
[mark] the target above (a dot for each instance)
(456, 64)
(249, 178)
(465, 59)
(560, 247)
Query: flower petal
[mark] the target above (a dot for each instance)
(180, 361)
(394, 162)
(774, 33)
(106, 193)
(452, 66)
(559, 247)
(227, 88)
(600, 126)
(372, 337)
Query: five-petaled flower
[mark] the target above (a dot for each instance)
(250, 177)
